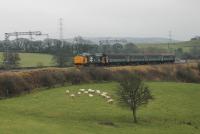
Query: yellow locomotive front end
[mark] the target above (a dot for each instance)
(80, 60)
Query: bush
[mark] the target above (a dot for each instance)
(76, 76)
(198, 67)
(59, 77)
(98, 74)
(11, 60)
(187, 75)
(47, 80)
(40, 65)
(15, 83)
(12, 85)
(119, 74)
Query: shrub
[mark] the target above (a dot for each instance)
(59, 78)
(76, 76)
(13, 85)
(16, 83)
(119, 74)
(40, 65)
(47, 80)
(187, 75)
(98, 74)
(198, 66)
(11, 60)
(8, 87)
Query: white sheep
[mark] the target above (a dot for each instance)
(105, 93)
(72, 95)
(91, 90)
(86, 92)
(67, 91)
(79, 93)
(98, 91)
(91, 95)
(107, 97)
(82, 90)
(110, 101)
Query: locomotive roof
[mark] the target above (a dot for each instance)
(140, 54)
(135, 54)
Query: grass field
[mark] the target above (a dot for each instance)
(33, 59)
(174, 110)
(186, 46)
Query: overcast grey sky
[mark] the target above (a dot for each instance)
(93, 18)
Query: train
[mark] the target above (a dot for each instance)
(101, 59)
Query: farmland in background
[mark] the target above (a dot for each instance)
(33, 59)
(186, 46)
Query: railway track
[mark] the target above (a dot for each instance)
(21, 69)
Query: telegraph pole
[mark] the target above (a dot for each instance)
(61, 30)
(170, 38)
(7, 49)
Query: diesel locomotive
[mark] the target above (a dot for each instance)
(100, 59)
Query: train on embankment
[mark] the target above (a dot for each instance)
(100, 59)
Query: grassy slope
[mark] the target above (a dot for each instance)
(183, 45)
(32, 59)
(52, 111)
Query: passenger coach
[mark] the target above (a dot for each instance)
(100, 59)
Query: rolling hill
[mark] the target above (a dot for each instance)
(186, 45)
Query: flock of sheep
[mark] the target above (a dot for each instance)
(91, 93)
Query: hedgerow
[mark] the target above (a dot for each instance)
(16, 83)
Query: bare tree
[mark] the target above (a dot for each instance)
(133, 93)
(62, 55)
(117, 48)
(131, 48)
(11, 59)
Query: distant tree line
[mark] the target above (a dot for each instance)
(192, 53)
(63, 51)
(53, 46)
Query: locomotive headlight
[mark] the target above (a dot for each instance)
(91, 59)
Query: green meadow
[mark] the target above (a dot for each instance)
(34, 59)
(186, 46)
(175, 109)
